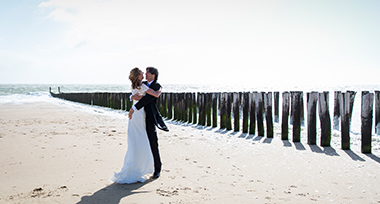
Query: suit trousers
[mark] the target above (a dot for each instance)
(153, 140)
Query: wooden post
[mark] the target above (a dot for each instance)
(259, 116)
(215, 109)
(195, 108)
(312, 99)
(268, 114)
(377, 112)
(223, 110)
(186, 109)
(166, 104)
(208, 108)
(296, 110)
(182, 107)
(117, 101)
(302, 111)
(175, 104)
(285, 116)
(228, 113)
(59, 89)
(245, 111)
(336, 110)
(276, 106)
(324, 117)
(366, 114)
(202, 107)
(200, 110)
(129, 103)
(190, 104)
(252, 113)
(346, 106)
(236, 110)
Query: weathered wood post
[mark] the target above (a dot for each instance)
(296, 110)
(223, 110)
(285, 116)
(129, 102)
(268, 114)
(228, 113)
(245, 111)
(160, 104)
(346, 106)
(169, 105)
(109, 100)
(312, 99)
(336, 110)
(208, 108)
(59, 89)
(276, 106)
(324, 118)
(259, 116)
(302, 111)
(366, 114)
(179, 106)
(215, 97)
(182, 107)
(186, 103)
(202, 114)
(204, 106)
(252, 113)
(190, 107)
(236, 111)
(377, 112)
(165, 104)
(117, 101)
(195, 107)
(95, 99)
(199, 101)
(176, 106)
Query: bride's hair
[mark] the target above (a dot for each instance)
(134, 77)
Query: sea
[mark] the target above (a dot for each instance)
(29, 93)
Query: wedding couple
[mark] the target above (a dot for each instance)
(142, 158)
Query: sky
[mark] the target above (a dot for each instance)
(253, 42)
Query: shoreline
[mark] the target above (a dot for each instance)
(55, 153)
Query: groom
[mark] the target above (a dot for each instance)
(153, 117)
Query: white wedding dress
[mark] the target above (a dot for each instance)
(138, 161)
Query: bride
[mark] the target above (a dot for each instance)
(138, 161)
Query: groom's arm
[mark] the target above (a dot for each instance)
(145, 100)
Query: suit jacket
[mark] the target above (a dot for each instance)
(149, 103)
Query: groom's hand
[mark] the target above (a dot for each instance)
(130, 113)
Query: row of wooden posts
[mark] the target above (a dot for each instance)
(229, 110)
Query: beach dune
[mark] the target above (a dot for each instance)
(55, 153)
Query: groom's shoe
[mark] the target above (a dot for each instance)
(165, 129)
(156, 175)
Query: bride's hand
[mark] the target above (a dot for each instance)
(130, 113)
(136, 97)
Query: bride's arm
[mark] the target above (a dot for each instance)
(154, 93)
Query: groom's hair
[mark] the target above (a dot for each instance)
(154, 71)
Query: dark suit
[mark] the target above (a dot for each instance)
(153, 119)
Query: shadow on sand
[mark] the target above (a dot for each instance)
(113, 193)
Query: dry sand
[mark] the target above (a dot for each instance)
(53, 153)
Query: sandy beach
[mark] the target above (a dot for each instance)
(53, 153)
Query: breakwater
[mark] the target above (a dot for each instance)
(256, 112)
